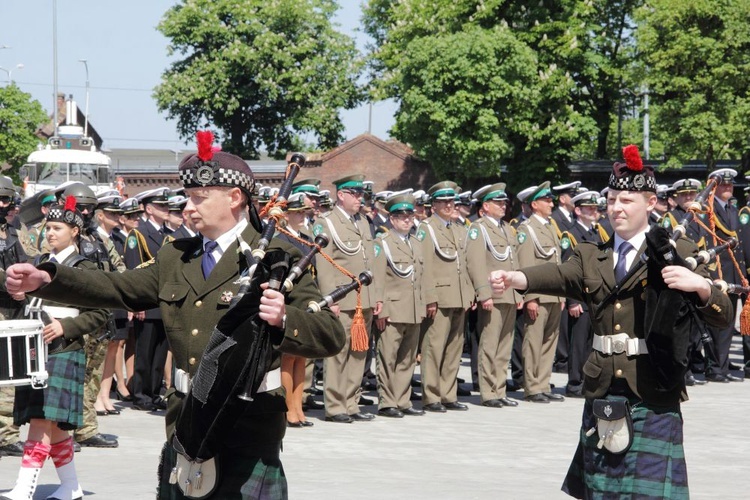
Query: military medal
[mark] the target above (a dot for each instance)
(226, 296)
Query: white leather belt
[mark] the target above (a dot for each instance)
(58, 312)
(617, 344)
(271, 381)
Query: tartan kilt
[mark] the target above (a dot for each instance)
(239, 477)
(653, 467)
(62, 400)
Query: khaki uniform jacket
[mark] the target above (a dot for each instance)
(589, 276)
(191, 307)
(445, 256)
(405, 300)
(353, 248)
(480, 260)
(538, 243)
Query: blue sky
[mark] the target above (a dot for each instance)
(126, 57)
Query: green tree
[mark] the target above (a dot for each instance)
(20, 116)
(258, 71)
(695, 57)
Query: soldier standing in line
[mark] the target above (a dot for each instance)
(727, 226)
(447, 301)
(492, 246)
(538, 243)
(404, 308)
(579, 325)
(353, 248)
(11, 252)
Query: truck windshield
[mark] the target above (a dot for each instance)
(57, 173)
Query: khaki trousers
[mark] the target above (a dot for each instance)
(539, 344)
(495, 342)
(8, 431)
(342, 375)
(397, 357)
(442, 345)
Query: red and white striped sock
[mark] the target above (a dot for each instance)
(34, 454)
(62, 452)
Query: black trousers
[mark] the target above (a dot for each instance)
(580, 345)
(516, 358)
(150, 355)
(562, 351)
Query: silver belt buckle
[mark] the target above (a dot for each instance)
(618, 346)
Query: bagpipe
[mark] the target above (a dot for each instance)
(233, 369)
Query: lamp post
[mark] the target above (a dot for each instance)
(646, 120)
(9, 72)
(86, 117)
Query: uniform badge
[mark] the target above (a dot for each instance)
(644, 283)
(226, 296)
(744, 219)
(473, 233)
(521, 237)
(666, 223)
(565, 243)
(420, 235)
(317, 229)
(377, 249)
(32, 238)
(132, 243)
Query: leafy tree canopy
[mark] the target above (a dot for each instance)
(20, 116)
(259, 71)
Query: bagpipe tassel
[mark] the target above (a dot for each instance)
(745, 319)
(360, 341)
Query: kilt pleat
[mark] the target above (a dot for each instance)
(62, 400)
(239, 477)
(653, 467)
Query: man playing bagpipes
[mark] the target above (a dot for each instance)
(642, 305)
(193, 281)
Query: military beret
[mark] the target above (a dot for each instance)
(445, 190)
(208, 167)
(67, 214)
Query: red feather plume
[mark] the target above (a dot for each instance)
(632, 158)
(205, 139)
(70, 203)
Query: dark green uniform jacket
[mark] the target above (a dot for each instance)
(191, 306)
(588, 276)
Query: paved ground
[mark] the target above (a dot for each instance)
(483, 453)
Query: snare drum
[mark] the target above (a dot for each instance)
(23, 353)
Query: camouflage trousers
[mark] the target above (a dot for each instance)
(95, 354)
(8, 431)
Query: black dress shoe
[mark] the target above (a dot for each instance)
(513, 386)
(160, 403)
(99, 441)
(537, 398)
(554, 397)
(508, 402)
(412, 412)
(455, 405)
(362, 416)
(493, 403)
(434, 407)
(732, 366)
(363, 401)
(341, 418)
(690, 381)
(294, 424)
(733, 378)
(307, 423)
(717, 378)
(310, 404)
(390, 412)
(370, 386)
(113, 412)
(314, 391)
(415, 396)
(143, 406)
(102, 413)
(126, 399)
(12, 450)
(460, 391)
